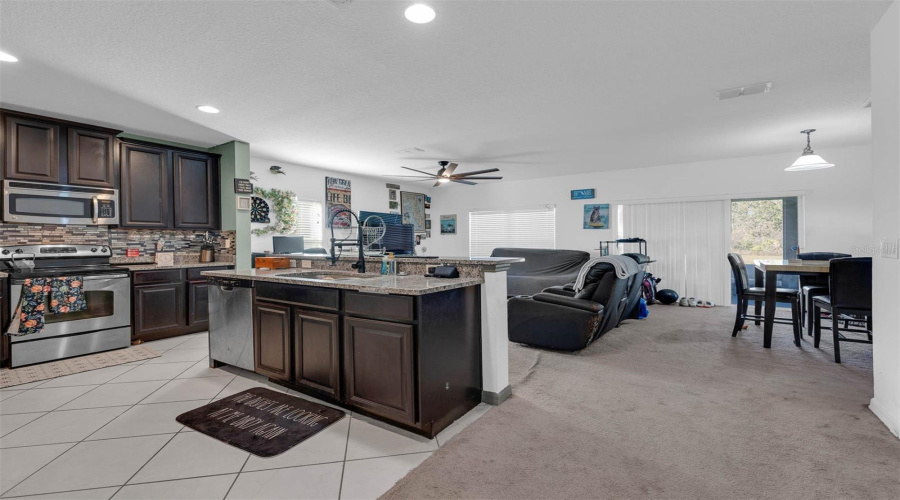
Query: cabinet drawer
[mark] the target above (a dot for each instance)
(379, 306)
(323, 298)
(163, 276)
(193, 274)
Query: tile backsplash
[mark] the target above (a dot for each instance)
(182, 242)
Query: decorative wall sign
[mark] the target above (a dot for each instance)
(259, 211)
(412, 207)
(244, 203)
(243, 186)
(282, 205)
(596, 216)
(448, 224)
(583, 194)
(337, 199)
(392, 186)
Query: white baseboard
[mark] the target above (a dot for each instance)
(889, 420)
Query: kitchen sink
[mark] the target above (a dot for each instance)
(329, 276)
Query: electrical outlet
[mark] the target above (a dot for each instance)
(306, 264)
(890, 249)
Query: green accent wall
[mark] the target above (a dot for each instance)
(235, 164)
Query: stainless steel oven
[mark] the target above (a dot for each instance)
(59, 204)
(103, 325)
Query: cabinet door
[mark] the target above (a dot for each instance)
(92, 159)
(196, 189)
(32, 149)
(158, 308)
(378, 367)
(272, 340)
(317, 351)
(146, 194)
(198, 304)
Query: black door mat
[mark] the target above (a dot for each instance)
(261, 421)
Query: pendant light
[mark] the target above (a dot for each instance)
(809, 160)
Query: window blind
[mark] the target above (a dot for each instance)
(533, 227)
(308, 222)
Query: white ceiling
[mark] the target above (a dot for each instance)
(537, 88)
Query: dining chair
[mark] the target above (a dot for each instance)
(849, 292)
(813, 286)
(746, 293)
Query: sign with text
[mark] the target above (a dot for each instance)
(243, 186)
(583, 194)
(337, 200)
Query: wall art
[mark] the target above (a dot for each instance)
(448, 224)
(337, 199)
(412, 207)
(596, 216)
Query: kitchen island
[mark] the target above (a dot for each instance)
(403, 349)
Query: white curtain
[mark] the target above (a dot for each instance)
(689, 242)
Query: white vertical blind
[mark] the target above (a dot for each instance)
(689, 242)
(308, 222)
(532, 227)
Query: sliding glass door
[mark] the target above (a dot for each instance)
(765, 229)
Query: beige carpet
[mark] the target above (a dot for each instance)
(674, 407)
(54, 369)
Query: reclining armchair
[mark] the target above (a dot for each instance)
(559, 318)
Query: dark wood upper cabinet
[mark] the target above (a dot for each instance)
(378, 368)
(92, 158)
(317, 351)
(272, 340)
(196, 189)
(32, 149)
(146, 192)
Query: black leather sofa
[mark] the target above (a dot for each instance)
(558, 318)
(542, 268)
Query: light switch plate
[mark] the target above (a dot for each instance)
(890, 248)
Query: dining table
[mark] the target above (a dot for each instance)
(768, 271)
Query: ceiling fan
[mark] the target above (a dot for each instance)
(445, 175)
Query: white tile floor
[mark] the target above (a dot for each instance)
(111, 433)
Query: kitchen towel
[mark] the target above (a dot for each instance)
(29, 316)
(66, 295)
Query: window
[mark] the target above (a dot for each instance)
(533, 227)
(308, 222)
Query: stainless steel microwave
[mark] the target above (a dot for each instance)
(59, 204)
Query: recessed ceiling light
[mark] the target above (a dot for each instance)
(8, 57)
(419, 13)
(206, 108)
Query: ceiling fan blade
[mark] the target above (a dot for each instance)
(477, 172)
(437, 184)
(450, 168)
(483, 178)
(419, 171)
(463, 182)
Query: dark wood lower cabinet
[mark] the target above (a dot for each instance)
(378, 367)
(317, 351)
(157, 309)
(272, 340)
(198, 304)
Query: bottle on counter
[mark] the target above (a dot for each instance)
(384, 264)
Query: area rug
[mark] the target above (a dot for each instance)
(53, 369)
(261, 421)
(674, 407)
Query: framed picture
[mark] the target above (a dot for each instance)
(427, 201)
(448, 224)
(583, 194)
(337, 199)
(428, 234)
(392, 194)
(596, 216)
(244, 203)
(428, 224)
(412, 209)
(418, 239)
(393, 205)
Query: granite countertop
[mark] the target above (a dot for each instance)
(352, 256)
(150, 266)
(399, 285)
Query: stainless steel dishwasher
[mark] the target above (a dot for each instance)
(231, 322)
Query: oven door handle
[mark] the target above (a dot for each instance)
(105, 277)
(95, 209)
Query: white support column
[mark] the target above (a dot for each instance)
(494, 336)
